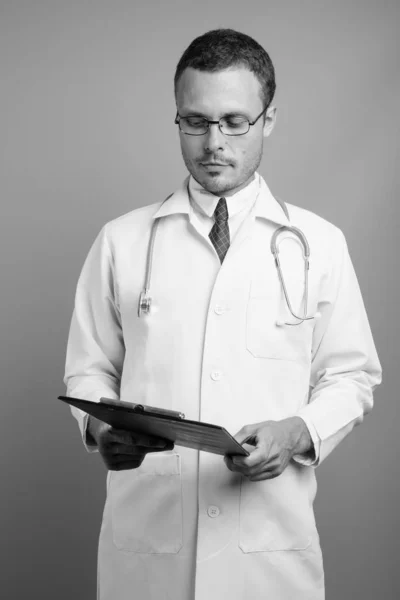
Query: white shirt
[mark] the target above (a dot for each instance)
(203, 205)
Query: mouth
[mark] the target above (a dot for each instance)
(211, 164)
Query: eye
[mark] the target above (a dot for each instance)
(235, 121)
(195, 121)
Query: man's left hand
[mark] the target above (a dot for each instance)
(276, 442)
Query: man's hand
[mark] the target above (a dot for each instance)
(121, 449)
(276, 442)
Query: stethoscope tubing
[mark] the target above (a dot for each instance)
(144, 299)
(144, 304)
(306, 255)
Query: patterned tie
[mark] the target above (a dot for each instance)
(219, 234)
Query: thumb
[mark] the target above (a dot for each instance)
(247, 434)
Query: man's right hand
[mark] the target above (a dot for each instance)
(122, 449)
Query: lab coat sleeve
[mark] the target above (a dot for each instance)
(95, 350)
(345, 367)
(311, 457)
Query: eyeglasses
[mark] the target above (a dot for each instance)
(229, 125)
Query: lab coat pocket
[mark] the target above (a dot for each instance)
(147, 506)
(274, 515)
(267, 335)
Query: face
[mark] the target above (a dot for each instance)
(223, 164)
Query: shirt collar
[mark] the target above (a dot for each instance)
(266, 206)
(207, 203)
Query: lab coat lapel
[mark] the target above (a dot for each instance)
(265, 207)
(176, 203)
(270, 208)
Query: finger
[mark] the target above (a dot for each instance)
(149, 441)
(251, 471)
(269, 474)
(119, 436)
(168, 446)
(152, 442)
(229, 463)
(246, 434)
(257, 457)
(235, 468)
(129, 438)
(124, 465)
(269, 470)
(260, 469)
(135, 450)
(126, 457)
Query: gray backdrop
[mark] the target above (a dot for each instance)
(87, 133)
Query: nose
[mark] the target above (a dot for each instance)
(214, 139)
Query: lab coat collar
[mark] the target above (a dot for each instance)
(176, 203)
(266, 206)
(270, 208)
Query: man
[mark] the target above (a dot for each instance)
(221, 345)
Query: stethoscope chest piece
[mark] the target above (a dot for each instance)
(144, 304)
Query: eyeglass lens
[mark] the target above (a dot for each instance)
(228, 125)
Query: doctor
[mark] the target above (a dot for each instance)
(220, 345)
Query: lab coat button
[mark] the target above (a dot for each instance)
(216, 375)
(219, 310)
(213, 511)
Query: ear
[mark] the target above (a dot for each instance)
(270, 120)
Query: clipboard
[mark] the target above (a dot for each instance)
(167, 424)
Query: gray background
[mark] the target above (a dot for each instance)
(87, 133)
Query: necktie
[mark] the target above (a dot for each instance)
(219, 234)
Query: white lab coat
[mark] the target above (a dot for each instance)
(182, 526)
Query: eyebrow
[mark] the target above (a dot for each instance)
(231, 113)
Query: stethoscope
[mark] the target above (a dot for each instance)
(145, 299)
(306, 257)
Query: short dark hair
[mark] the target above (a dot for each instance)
(221, 49)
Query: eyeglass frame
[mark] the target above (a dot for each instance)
(177, 122)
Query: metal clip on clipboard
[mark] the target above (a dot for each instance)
(144, 408)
